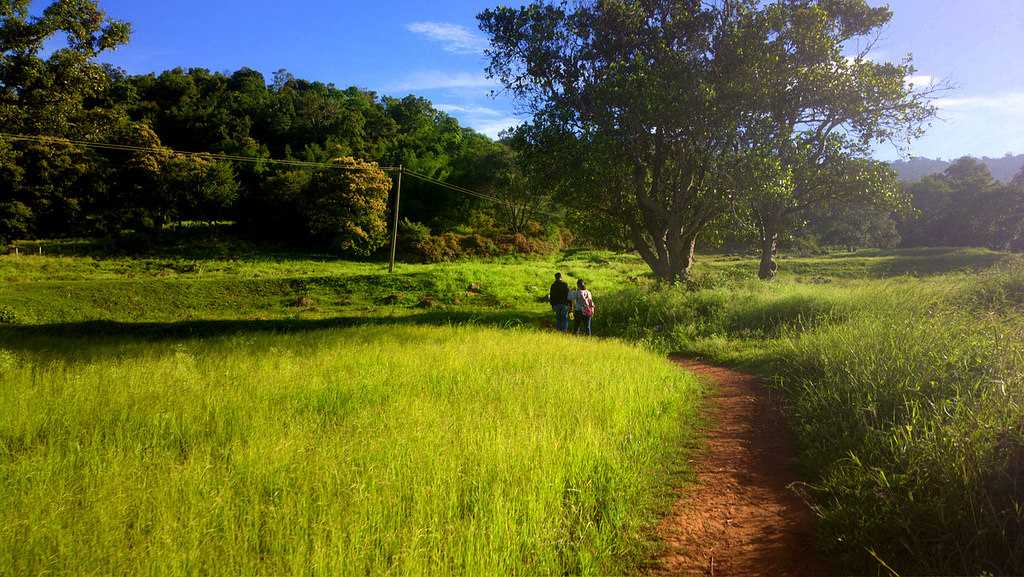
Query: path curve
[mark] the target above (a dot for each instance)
(740, 518)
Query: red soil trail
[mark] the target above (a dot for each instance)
(740, 518)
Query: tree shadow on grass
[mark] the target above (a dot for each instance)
(72, 339)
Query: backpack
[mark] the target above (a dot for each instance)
(588, 304)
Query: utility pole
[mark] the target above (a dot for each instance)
(394, 221)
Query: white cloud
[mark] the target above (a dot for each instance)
(475, 110)
(453, 37)
(1009, 102)
(436, 79)
(483, 119)
(494, 127)
(976, 125)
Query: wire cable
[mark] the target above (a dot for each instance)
(470, 192)
(250, 159)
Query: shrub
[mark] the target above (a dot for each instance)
(439, 248)
(7, 315)
(477, 245)
(419, 245)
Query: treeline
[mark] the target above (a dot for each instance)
(62, 186)
(770, 187)
(965, 206)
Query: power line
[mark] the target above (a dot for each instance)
(250, 159)
(471, 192)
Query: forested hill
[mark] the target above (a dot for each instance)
(1003, 169)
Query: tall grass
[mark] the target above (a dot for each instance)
(906, 398)
(371, 451)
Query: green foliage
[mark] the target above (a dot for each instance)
(377, 450)
(966, 206)
(676, 112)
(60, 189)
(7, 315)
(46, 187)
(48, 96)
(348, 204)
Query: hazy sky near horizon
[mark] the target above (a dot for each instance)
(434, 49)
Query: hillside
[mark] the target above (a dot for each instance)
(1003, 169)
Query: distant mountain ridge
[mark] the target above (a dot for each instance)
(917, 167)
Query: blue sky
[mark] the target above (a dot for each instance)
(433, 49)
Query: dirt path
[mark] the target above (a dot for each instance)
(740, 518)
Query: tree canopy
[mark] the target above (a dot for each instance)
(966, 206)
(687, 104)
(59, 187)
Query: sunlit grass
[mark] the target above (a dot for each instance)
(906, 397)
(378, 450)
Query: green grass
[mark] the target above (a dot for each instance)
(377, 450)
(906, 396)
(52, 289)
(70, 289)
(239, 387)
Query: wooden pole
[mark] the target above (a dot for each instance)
(394, 221)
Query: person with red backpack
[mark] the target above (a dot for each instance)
(584, 308)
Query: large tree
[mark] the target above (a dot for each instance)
(779, 191)
(815, 112)
(673, 97)
(42, 184)
(48, 95)
(647, 89)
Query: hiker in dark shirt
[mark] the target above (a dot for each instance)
(558, 296)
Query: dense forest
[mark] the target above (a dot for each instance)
(90, 151)
(140, 182)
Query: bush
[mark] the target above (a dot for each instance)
(523, 245)
(412, 233)
(440, 248)
(7, 315)
(343, 208)
(475, 245)
(419, 245)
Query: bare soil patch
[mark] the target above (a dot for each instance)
(740, 518)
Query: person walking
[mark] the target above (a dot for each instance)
(583, 303)
(558, 296)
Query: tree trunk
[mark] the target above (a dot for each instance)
(769, 242)
(670, 256)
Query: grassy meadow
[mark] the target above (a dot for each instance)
(906, 396)
(372, 450)
(268, 414)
